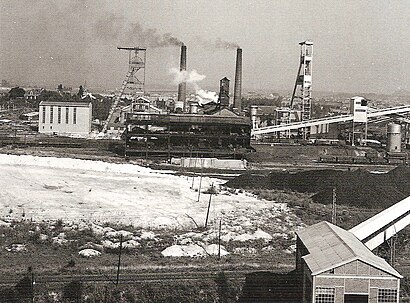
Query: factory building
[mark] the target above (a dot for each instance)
(336, 267)
(220, 134)
(65, 118)
(141, 104)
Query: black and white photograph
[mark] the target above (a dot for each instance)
(213, 151)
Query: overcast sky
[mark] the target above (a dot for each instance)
(359, 46)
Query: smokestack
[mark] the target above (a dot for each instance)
(238, 81)
(182, 86)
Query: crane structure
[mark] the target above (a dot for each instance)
(302, 91)
(134, 82)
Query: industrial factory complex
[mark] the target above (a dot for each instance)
(176, 151)
(217, 129)
(225, 135)
(187, 125)
(190, 126)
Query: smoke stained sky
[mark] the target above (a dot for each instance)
(358, 45)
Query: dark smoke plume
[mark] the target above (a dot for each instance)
(114, 28)
(216, 44)
(219, 43)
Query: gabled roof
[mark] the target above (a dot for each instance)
(143, 100)
(224, 112)
(330, 246)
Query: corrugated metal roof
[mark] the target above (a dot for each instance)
(65, 104)
(330, 246)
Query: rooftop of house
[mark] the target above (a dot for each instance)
(330, 246)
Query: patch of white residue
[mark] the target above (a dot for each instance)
(89, 195)
(194, 250)
(49, 188)
(89, 253)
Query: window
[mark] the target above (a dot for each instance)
(44, 114)
(308, 69)
(59, 115)
(325, 295)
(51, 114)
(75, 115)
(66, 115)
(387, 296)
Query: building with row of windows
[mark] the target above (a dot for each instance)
(337, 267)
(65, 117)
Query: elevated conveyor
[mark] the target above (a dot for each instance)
(328, 120)
(381, 227)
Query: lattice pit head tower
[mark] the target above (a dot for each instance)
(133, 83)
(302, 92)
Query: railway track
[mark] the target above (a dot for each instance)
(128, 278)
(131, 278)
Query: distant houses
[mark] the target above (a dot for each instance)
(32, 94)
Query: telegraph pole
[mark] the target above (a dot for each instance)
(334, 218)
(219, 239)
(119, 262)
(209, 205)
(200, 179)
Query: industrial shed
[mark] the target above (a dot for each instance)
(337, 267)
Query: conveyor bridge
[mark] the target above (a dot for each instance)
(383, 226)
(328, 120)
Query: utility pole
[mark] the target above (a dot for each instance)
(32, 282)
(219, 239)
(392, 246)
(200, 179)
(353, 133)
(334, 218)
(119, 262)
(209, 205)
(193, 180)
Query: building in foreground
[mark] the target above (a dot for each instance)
(337, 267)
(65, 118)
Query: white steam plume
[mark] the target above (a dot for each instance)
(205, 96)
(193, 77)
(185, 76)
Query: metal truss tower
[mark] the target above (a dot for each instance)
(134, 82)
(302, 92)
